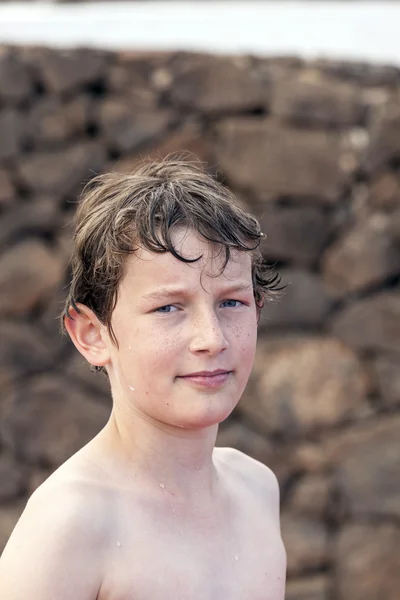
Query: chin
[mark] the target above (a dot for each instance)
(206, 416)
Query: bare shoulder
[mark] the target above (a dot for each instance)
(259, 478)
(56, 544)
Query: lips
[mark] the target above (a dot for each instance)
(207, 373)
(208, 379)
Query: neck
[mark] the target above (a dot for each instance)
(177, 460)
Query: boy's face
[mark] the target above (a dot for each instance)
(172, 320)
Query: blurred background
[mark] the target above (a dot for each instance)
(296, 107)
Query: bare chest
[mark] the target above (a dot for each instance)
(183, 562)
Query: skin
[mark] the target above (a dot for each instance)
(150, 509)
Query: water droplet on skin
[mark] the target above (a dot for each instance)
(118, 544)
(162, 485)
(132, 388)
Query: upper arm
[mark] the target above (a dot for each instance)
(51, 553)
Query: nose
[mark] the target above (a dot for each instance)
(208, 335)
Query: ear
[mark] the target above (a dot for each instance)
(88, 335)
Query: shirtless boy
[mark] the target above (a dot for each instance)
(167, 285)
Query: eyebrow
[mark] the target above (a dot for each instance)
(170, 292)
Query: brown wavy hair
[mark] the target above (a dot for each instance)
(118, 213)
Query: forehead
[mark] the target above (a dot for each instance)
(147, 268)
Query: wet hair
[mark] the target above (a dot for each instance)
(119, 213)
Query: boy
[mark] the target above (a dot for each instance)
(167, 286)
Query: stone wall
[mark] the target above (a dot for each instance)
(314, 150)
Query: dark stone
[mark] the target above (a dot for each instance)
(79, 113)
(51, 420)
(384, 146)
(370, 324)
(367, 474)
(38, 216)
(306, 543)
(262, 157)
(63, 170)
(24, 349)
(365, 257)
(125, 129)
(367, 562)
(213, 84)
(11, 133)
(15, 80)
(47, 124)
(384, 192)
(78, 371)
(316, 102)
(360, 73)
(29, 273)
(316, 587)
(305, 302)
(294, 234)
(69, 70)
(311, 496)
(304, 384)
(189, 142)
(7, 190)
(387, 370)
(140, 77)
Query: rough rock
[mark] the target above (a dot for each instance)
(384, 192)
(385, 141)
(68, 70)
(306, 543)
(215, 85)
(141, 77)
(362, 73)
(24, 348)
(190, 142)
(51, 420)
(125, 129)
(79, 113)
(270, 161)
(310, 100)
(305, 384)
(47, 123)
(78, 370)
(367, 473)
(311, 496)
(38, 216)
(7, 190)
(304, 302)
(387, 369)
(294, 234)
(395, 226)
(310, 588)
(11, 132)
(11, 478)
(372, 323)
(63, 170)
(29, 273)
(368, 562)
(15, 80)
(365, 257)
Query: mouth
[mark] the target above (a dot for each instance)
(208, 379)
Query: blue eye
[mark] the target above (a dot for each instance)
(165, 309)
(232, 305)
